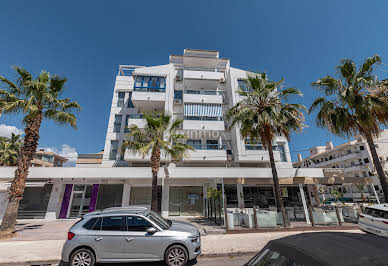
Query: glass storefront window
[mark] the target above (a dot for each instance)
(230, 194)
(34, 202)
(140, 196)
(109, 196)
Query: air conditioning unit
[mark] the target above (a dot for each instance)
(178, 101)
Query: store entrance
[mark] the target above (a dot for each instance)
(186, 201)
(80, 201)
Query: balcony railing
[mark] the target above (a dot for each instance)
(203, 92)
(204, 118)
(140, 89)
(135, 116)
(208, 146)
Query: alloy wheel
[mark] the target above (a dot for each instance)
(176, 257)
(82, 258)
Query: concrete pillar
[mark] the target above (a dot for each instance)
(54, 202)
(204, 204)
(306, 212)
(240, 196)
(165, 198)
(3, 200)
(126, 195)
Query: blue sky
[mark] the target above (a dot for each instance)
(85, 41)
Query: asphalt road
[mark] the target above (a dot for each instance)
(217, 261)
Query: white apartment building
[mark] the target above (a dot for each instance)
(197, 87)
(356, 160)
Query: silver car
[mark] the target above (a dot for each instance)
(130, 234)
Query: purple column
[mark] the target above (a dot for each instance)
(66, 201)
(93, 199)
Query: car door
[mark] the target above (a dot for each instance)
(138, 243)
(109, 240)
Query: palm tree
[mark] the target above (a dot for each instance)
(37, 99)
(262, 116)
(360, 186)
(9, 150)
(355, 103)
(159, 135)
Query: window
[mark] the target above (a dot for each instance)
(362, 148)
(150, 83)
(178, 95)
(252, 145)
(135, 223)
(196, 143)
(97, 225)
(159, 220)
(364, 174)
(366, 160)
(198, 111)
(376, 213)
(243, 85)
(130, 103)
(283, 157)
(114, 145)
(117, 123)
(212, 144)
(113, 223)
(349, 151)
(126, 129)
(89, 224)
(120, 99)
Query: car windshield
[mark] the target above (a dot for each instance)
(376, 213)
(159, 220)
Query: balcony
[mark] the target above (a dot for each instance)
(203, 96)
(149, 93)
(147, 100)
(346, 157)
(354, 168)
(203, 123)
(136, 157)
(202, 74)
(137, 119)
(207, 152)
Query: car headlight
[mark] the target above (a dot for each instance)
(194, 239)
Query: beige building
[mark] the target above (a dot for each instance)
(89, 159)
(355, 158)
(44, 158)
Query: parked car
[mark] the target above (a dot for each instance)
(130, 234)
(374, 219)
(324, 248)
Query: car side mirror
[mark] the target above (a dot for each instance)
(151, 230)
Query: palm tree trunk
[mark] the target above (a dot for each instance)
(16, 191)
(155, 164)
(278, 196)
(377, 164)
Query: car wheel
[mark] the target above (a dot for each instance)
(176, 256)
(82, 257)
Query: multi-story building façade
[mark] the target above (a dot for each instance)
(197, 87)
(356, 160)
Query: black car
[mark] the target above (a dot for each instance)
(324, 248)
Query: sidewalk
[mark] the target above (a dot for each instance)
(27, 252)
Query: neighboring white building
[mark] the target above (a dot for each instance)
(356, 160)
(198, 87)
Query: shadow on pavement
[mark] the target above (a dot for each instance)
(158, 263)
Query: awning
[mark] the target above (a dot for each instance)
(197, 109)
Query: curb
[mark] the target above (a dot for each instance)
(57, 262)
(229, 254)
(32, 263)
